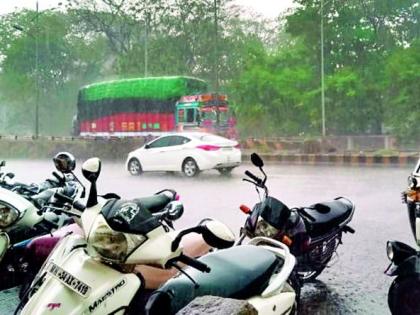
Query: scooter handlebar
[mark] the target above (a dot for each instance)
(60, 179)
(194, 263)
(253, 177)
(75, 204)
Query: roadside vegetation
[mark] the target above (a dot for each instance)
(270, 69)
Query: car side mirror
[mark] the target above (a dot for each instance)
(91, 169)
(147, 146)
(256, 160)
(217, 235)
(2, 163)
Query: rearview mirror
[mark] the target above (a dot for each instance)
(91, 169)
(256, 160)
(217, 235)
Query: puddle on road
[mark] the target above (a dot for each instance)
(319, 299)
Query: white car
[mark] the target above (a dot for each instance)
(189, 152)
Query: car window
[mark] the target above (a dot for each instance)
(161, 142)
(179, 140)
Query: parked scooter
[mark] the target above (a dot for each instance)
(403, 295)
(25, 217)
(93, 275)
(313, 233)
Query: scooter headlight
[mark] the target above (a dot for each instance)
(389, 251)
(4, 244)
(110, 245)
(8, 215)
(397, 252)
(412, 182)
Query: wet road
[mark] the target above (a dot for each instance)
(354, 284)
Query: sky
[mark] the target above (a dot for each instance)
(267, 8)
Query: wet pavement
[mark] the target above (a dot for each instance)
(354, 284)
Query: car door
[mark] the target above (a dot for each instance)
(152, 157)
(176, 153)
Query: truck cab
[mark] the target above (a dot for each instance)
(205, 112)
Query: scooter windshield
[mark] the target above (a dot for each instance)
(275, 213)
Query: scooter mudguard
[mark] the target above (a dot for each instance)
(278, 304)
(80, 285)
(408, 267)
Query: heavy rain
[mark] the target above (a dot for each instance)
(174, 98)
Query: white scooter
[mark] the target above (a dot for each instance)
(94, 275)
(23, 217)
(403, 294)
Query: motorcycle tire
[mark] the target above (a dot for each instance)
(403, 296)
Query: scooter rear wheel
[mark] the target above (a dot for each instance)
(403, 296)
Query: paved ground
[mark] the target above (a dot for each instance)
(354, 284)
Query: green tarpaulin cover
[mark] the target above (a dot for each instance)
(154, 88)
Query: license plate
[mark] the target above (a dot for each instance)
(68, 280)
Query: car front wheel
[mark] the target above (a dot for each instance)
(190, 167)
(134, 167)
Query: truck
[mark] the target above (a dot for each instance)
(151, 106)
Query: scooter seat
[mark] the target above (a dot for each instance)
(238, 272)
(154, 203)
(323, 217)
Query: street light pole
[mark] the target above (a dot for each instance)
(216, 52)
(322, 71)
(146, 34)
(37, 72)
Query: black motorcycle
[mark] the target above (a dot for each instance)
(312, 233)
(403, 295)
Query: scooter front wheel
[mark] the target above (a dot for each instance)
(403, 296)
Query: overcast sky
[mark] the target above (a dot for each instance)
(268, 8)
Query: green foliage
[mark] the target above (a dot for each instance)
(403, 76)
(271, 71)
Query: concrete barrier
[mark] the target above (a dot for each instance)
(403, 159)
(118, 148)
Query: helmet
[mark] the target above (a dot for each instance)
(64, 162)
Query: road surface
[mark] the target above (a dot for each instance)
(354, 284)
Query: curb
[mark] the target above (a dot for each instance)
(338, 159)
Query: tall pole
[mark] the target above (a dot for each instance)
(146, 34)
(322, 71)
(216, 52)
(37, 73)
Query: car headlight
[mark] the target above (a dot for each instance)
(8, 215)
(110, 245)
